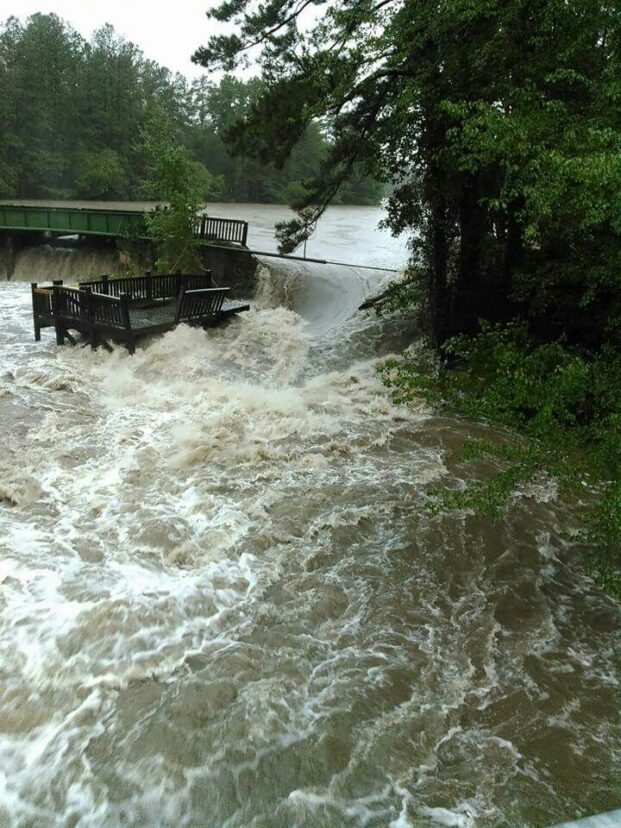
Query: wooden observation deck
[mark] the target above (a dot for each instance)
(129, 309)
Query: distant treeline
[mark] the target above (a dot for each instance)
(73, 114)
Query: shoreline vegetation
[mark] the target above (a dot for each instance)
(560, 410)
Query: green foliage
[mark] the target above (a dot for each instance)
(497, 125)
(71, 112)
(566, 402)
(403, 294)
(100, 175)
(172, 176)
(603, 533)
(487, 497)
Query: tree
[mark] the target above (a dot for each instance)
(495, 122)
(35, 105)
(73, 129)
(101, 175)
(171, 175)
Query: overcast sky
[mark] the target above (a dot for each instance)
(168, 32)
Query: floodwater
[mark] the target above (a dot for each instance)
(224, 603)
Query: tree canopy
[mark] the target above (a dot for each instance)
(496, 123)
(72, 113)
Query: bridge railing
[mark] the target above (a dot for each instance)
(112, 223)
(211, 228)
(69, 220)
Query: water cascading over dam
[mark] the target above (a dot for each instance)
(225, 603)
(44, 262)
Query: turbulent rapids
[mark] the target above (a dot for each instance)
(223, 603)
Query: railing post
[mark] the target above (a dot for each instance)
(58, 329)
(149, 285)
(37, 329)
(179, 308)
(85, 303)
(85, 296)
(105, 279)
(129, 334)
(245, 233)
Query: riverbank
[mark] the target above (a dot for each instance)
(565, 401)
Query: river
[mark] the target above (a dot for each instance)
(224, 603)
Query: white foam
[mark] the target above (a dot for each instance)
(221, 598)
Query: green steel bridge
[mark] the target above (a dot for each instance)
(111, 223)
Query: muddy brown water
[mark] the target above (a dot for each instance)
(223, 602)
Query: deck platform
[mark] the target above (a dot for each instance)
(129, 309)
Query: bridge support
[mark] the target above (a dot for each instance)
(9, 255)
(231, 266)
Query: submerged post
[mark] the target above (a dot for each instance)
(130, 343)
(37, 327)
(58, 328)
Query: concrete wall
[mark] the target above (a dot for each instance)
(234, 268)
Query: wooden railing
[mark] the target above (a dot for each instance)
(86, 306)
(42, 301)
(42, 307)
(67, 303)
(100, 310)
(150, 286)
(234, 231)
(199, 304)
(108, 310)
